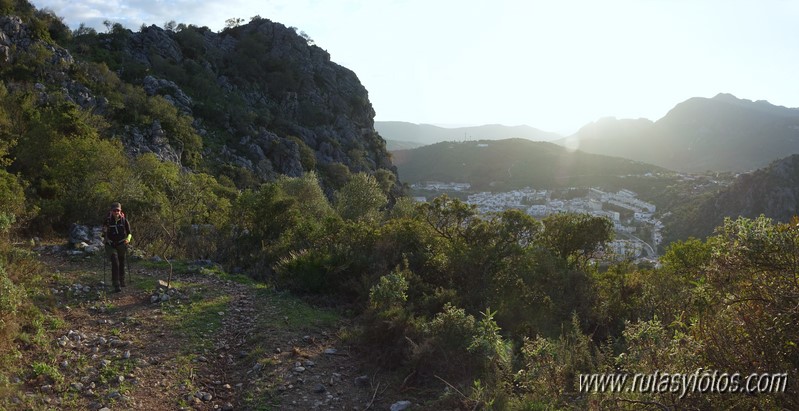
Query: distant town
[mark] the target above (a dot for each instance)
(638, 232)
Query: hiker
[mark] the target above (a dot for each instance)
(116, 233)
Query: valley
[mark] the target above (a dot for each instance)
(647, 204)
(638, 231)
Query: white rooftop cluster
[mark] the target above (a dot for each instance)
(440, 186)
(539, 203)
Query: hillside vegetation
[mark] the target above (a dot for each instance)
(772, 191)
(248, 104)
(458, 310)
(508, 310)
(512, 163)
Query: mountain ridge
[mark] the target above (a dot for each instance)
(722, 133)
(430, 134)
(511, 163)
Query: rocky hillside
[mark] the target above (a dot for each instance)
(772, 191)
(723, 133)
(254, 101)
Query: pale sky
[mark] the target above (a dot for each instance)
(555, 65)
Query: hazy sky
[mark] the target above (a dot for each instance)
(554, 65)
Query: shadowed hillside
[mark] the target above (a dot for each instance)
(511, 163)
(772, 191)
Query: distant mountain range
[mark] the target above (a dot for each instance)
(511, 163)
(722, 133)
(424, 134)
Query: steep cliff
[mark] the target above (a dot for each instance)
(252, 102)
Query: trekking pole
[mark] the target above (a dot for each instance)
(128, 262)
(105, 262)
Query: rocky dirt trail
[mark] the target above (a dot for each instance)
(206, 343)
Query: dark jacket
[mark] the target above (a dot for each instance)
(116, 231)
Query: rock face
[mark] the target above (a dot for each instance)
(263, 98)
(170, 91)
(291, 86)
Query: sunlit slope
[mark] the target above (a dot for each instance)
(430, 134)
(511, 163)
(723, 133)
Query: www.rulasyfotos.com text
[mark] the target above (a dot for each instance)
(700, 381)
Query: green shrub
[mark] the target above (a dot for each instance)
(307, 272)
(550, 367)
(176, 213)
(390, 292)
(450, 334)
(361, 198)
(391, 334)
(747, 321)
(47, 371)
(307, 191)
(12, 196)
(11, 298)
(6, 221)
(335, 175)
